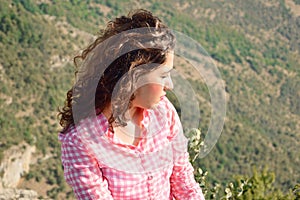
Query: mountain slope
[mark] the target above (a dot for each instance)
(255, 44)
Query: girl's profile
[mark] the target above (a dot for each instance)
(121, 137)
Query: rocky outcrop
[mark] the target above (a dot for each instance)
(15, 163)
(12, 194)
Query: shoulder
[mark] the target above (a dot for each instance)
(70, 137)
(68, 134)
(87, 128)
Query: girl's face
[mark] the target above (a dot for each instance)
(154, 85)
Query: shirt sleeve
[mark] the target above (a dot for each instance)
(83, 174)
(183, 184)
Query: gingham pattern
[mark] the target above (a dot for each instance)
(99, 166)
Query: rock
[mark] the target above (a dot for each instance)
(15, 163)
(20, 194)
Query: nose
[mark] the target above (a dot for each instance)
(169, 84)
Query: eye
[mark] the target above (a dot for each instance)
(165, 75)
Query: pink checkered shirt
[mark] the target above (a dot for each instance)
(97, 165)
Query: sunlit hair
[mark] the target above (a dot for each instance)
(119, 55)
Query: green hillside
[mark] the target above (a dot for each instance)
(254, 43)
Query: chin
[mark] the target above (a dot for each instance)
(150, 105)
(153, 106)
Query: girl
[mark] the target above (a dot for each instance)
(121, 137)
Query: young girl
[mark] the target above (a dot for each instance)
(121, 137)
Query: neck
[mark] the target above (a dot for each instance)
(107, 112)
(135, 114)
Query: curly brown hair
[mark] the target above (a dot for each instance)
(118, 56)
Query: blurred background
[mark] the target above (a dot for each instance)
(254, 43)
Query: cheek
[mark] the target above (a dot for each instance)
(149, 91)
(155, 89)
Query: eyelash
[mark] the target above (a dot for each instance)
(165, 76)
